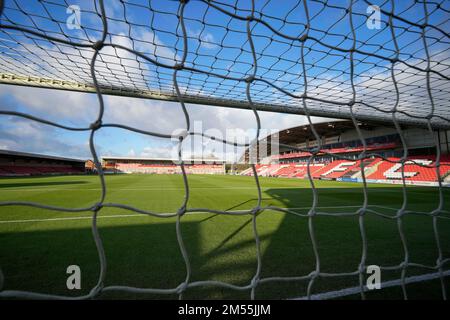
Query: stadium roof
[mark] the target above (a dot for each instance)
(37, 156)
(301, 134)
(324, 129)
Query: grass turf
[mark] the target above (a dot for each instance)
(36, 245)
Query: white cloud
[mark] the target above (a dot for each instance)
(119, 67)
(23, 135)
(71, 107)
(151, 115)
(206, 39)
(156, 152)
(131, 153)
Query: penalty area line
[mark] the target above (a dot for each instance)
(70, 218)
(145, 215)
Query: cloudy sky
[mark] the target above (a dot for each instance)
(80, 109)
(156, 33)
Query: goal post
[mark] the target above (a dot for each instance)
(386, 61)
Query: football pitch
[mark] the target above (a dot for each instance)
(37, 245)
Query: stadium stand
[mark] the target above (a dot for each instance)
(339, 150)
(416, 170)
(160, 166)
(14, 163)
(339, 139)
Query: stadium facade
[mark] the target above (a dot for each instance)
(340, 155)
(14, 163)
(161, 165)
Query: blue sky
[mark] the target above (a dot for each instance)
(153, 34)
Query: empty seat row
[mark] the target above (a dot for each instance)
(375, 169)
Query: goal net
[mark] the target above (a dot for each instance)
(382, 61)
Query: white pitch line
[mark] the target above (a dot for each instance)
(145, 215)
(69, 218)
(383, 207)
(387, 284)
(134, 189)
(153, 189)
(380, 189)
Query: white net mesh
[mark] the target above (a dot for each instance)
(244, 54)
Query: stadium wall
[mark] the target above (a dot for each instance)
(396, 182)
(15, 163)
(352, 135)
(414, 138)
(127, 165)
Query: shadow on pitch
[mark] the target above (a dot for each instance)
(239, 206)
(144, 252)
(289, 251)
(140, 252)
(39, 184)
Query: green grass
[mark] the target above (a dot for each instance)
(142, 251)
